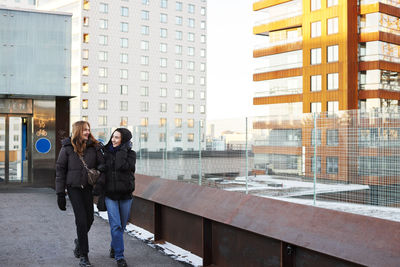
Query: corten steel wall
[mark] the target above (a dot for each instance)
(233, 229)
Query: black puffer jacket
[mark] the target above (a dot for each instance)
(69, 168)
(119, 180)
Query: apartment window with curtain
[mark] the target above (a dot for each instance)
(103, 88)
(333, 53)
(124, 11)
(103, 56)
(178, 108)
(103, 23)
(124, 121)
(315, 83)
(124, 89)
(103, 39)
(316, 29)
(315, 5)
(85, 53)
(103, 72)
(144, 91)
(332, 3)
(103, 8)
(144, 60)
(316, 107)
(315, 56)
(162, 122)
(178, 123)
(333, 25)
(333, 107)
(102, 104)
(333, 81)
(85, 103)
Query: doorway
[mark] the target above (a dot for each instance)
(15, 152)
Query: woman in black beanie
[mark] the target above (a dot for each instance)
(118, 186)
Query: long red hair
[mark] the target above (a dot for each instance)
(77, 140)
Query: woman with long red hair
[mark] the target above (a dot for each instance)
(71, 175)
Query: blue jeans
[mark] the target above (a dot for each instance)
(118, 215)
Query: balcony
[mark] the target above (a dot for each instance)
(266, 45)
(387, 2)
(278, 91)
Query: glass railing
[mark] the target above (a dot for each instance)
(377, 57)
(394, 3)
(379, 29)
(278, 91)
(380, 86)
(287, 15)
(283, 42)
(354, 163)
(279, 67)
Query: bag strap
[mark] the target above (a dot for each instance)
(84, 163)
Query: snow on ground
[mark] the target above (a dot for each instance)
(169, 249)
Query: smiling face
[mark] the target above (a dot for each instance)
(116, 139)
(85, 132)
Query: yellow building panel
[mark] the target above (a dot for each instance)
(278, 25)
(381, 8)
(267, 3)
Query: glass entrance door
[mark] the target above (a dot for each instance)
(14, 152)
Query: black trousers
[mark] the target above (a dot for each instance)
(82, 204)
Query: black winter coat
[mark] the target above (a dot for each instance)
(119, 180)
(69, 168)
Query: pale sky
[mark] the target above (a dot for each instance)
(230, 59)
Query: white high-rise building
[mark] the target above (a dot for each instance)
(139, 63)
(31, 4)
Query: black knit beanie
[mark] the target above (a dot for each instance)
(126, 135)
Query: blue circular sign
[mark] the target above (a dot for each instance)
(43, 145)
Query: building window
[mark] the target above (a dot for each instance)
(144, 106)
(145, 15)
(85, 53)
(333, 81)
(144, 60)
(163, 77)
(161, 137)
(202, 109)
(202, 80)
(85, 118)
(124, 43)
(103, 88)
(103, 39)
(203, 53)
(313, 137)
(144, 75)
(315, 5)
(145, 30)
(178, 6)
(124, 11)
(144, 137)
(178, 35)
(85, 71)
(190, 137)
(203, 11)
(332, 165)
(124, 27)
(163, 92)
(163, 33)
(103, 55)
(333, 25)
(178, 123)
(190, 79)
(124, 89)
(86, 5)
(85, 87)
(202, 95)
(190, 65)
(144, 45)
(164, 3)
(178, 20)
(191, 23)
(332, 137)
(85, 104)
(190, 94)
(178, 64)
(123, 74)
(318, 164)
(333, 107)
(315, 56)
(162, 122)
(178, 78)
(333, 53)
(190, 123)
(315, 83)
(178, 49)
(103, 8)
(178, 93)
(163, 107)
(203, 25)
(190, 108)
(190, 37)
(163, 18)
(86, 38)
(163, 62)
(332, 3)
(103, 23)
(191, 8)
(178, 108)
(190, 51)
(124, 105)
(316, 107)
(178, 137)
(316, 29)
(123, 58)
(145, 2)
(163, 48)
(102, 120)
(124, 121)
(102, 104)
(144, 122)
(144, 91)
(202, 67)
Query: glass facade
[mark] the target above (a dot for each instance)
(288, 60)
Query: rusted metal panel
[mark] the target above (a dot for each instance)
(207, 242)
(309, 258)
(182, 229)
(288, 254)
(350, 237)
(157, 222)
(142, 214)
(235, 247)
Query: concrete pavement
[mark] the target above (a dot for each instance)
(34, 232)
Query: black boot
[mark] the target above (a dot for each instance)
(122, 263)
(112, 253)
(76, 250)
(84, 262)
